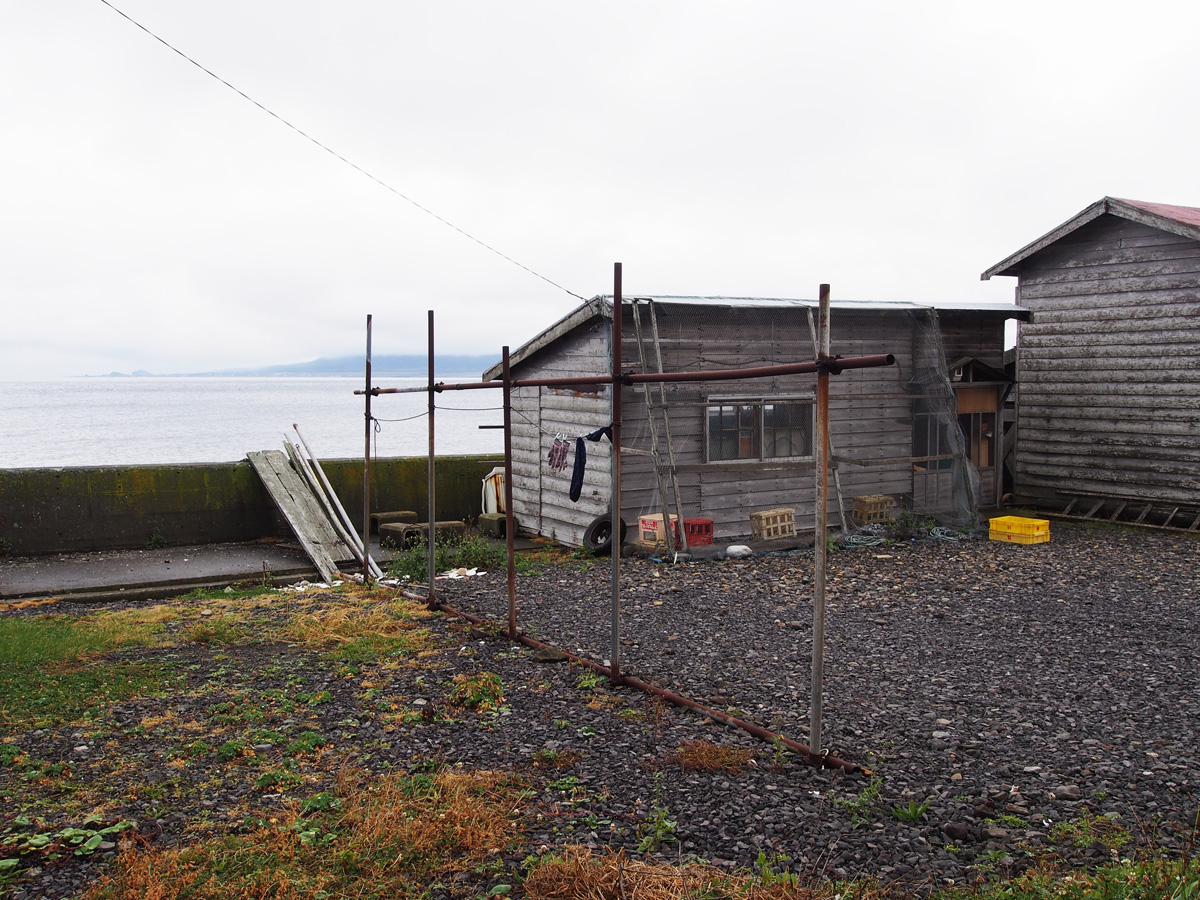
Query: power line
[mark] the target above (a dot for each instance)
(383, 184)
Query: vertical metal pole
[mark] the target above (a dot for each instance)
(822, 461)
(366, 523)
(508, 500)
(615, 474)
(430, 488)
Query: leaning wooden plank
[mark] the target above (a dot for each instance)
(344, 549)
(269, 465)
(364, 552)
(314, 517)
(349, 541)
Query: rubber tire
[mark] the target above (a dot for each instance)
(598, 536)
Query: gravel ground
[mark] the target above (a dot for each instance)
(1014, 699)
(1009, 687)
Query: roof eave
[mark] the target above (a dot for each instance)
(572, 320)
(1108, 205)
(1008, 266)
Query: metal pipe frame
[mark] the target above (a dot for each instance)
(823, 760)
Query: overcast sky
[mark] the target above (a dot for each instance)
(153, 219)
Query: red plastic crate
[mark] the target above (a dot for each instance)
(699, 531)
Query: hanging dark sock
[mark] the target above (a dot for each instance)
(606, 431)
(577, 473)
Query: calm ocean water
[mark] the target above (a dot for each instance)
(120, 421)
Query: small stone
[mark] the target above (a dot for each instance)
(548, 655)
(1067, 792)
(956, 831)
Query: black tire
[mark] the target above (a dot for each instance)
(598, 536)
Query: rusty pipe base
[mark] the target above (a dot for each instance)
(821, 760)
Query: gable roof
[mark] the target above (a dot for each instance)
(601, 306)
(1181, 220)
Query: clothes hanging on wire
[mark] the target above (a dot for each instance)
(558, 453)
(581, 459)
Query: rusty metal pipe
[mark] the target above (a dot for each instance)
(834, 365)
(509, 518)
(813, 759)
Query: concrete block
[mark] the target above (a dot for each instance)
(494, 524)
(404, 534)
(386, 518)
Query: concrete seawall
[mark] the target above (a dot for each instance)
(123, 507)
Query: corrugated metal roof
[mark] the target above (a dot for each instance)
(762, 302)
(1181, 220)
(602, 304)
(1185, 215)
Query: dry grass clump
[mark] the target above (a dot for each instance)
(376, 839)
(581, 875)
(706, 756)
(360, 629)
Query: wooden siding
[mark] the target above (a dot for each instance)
(540, 496)
(870, 412)
(1109, 367)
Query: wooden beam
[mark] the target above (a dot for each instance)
(297, 505)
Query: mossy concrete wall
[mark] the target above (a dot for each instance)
(123, 507)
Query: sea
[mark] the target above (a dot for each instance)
(142, 420)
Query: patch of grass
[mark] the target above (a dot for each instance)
(706, 756)
(306, 742)
(554, 759)
(354, 633)
(1089, 829)
(470, 551)
(383, 838)
(54, 673)
(281, 778)
(216, 630)
(1050, 879)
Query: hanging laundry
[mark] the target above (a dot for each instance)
(581, 460)
(558, 453)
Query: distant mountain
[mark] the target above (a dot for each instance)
(381, 366)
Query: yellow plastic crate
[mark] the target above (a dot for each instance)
(773, 523)
(1019, 530)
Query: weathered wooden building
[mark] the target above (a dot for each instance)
(1108, 412)
(747, 445)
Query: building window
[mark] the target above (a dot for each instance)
(760, 429)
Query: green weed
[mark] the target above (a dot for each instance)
(658, 827)
(861, 807)
(914, 812)
(470, 551)
(481, 691)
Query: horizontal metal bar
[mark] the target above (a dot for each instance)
(835, 365)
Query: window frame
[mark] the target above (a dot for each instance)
(758, 403)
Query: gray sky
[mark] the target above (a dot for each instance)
(155, 220)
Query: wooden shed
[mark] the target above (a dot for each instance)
(745, 446)
(1108, 412)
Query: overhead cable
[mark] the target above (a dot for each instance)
(337, 155)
